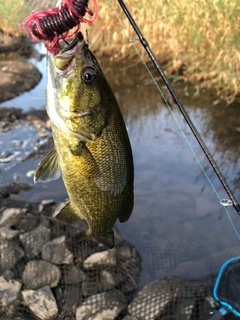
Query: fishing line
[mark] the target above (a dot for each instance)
(183, 111)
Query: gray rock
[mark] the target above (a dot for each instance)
(46, 207)
(184, 309)
(57, 252)
(8, 233)
(40, 273)
(11, 216)
(152, 300)
(57, 208)
(128, 283)
(103, 281)
(27, 223)
(41, 302)
(72, 296)
(10, 254)
(73, 275)
(107, 305)
(8, 275)
(44, 221)
(108, 280)
(34, 240)
(101, 259)
(9, 291)
(129, 258)
(124, 252)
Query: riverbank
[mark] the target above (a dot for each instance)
(196, 41)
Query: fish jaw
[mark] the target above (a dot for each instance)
(72, 105)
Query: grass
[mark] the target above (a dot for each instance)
(199, 40)
(12, 13)
(196, 40)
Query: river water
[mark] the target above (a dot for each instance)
(178, 224)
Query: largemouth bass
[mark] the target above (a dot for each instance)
(92, 149)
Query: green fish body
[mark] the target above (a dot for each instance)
(92, 148)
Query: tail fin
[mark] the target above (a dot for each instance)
(107, 239)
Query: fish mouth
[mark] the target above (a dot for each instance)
(67, 56)
(72, 44)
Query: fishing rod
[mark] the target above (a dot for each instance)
(202, 144)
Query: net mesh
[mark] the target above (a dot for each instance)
(165, 265)
(48, 272)
(228, 289)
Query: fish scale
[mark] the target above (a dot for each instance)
(92, 148)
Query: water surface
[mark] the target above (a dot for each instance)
(178, 224)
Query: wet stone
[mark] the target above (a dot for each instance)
(16, 78)
(41, 302)
(106, 305)
(57, 252)
(10, 254)
(124, 252)
(152, 300)
(11, 216)
(184, 309)
(101, 259)
(46, 207)
(72, 296)
(8, 275)
(128, 284)
(34, 240)
(40, 273)
(8, 233)
(9, 291)
(73, 275)
(27, 223)
(44, 221)
(103, 281)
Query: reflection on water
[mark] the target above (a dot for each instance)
(16, 146)
(178, 224)
(36, 97)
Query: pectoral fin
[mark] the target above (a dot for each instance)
(48, 169)
(67, 213)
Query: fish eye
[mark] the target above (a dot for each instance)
(89, 76)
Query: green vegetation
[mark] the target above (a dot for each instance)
(12, 13)
(196, 40)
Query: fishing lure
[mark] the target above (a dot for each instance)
(50, 24)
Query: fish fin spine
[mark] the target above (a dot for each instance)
(48, 169)
(67, 213)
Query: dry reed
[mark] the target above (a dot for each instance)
(196, 40)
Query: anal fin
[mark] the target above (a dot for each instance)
(48, 169)
(67, 213)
